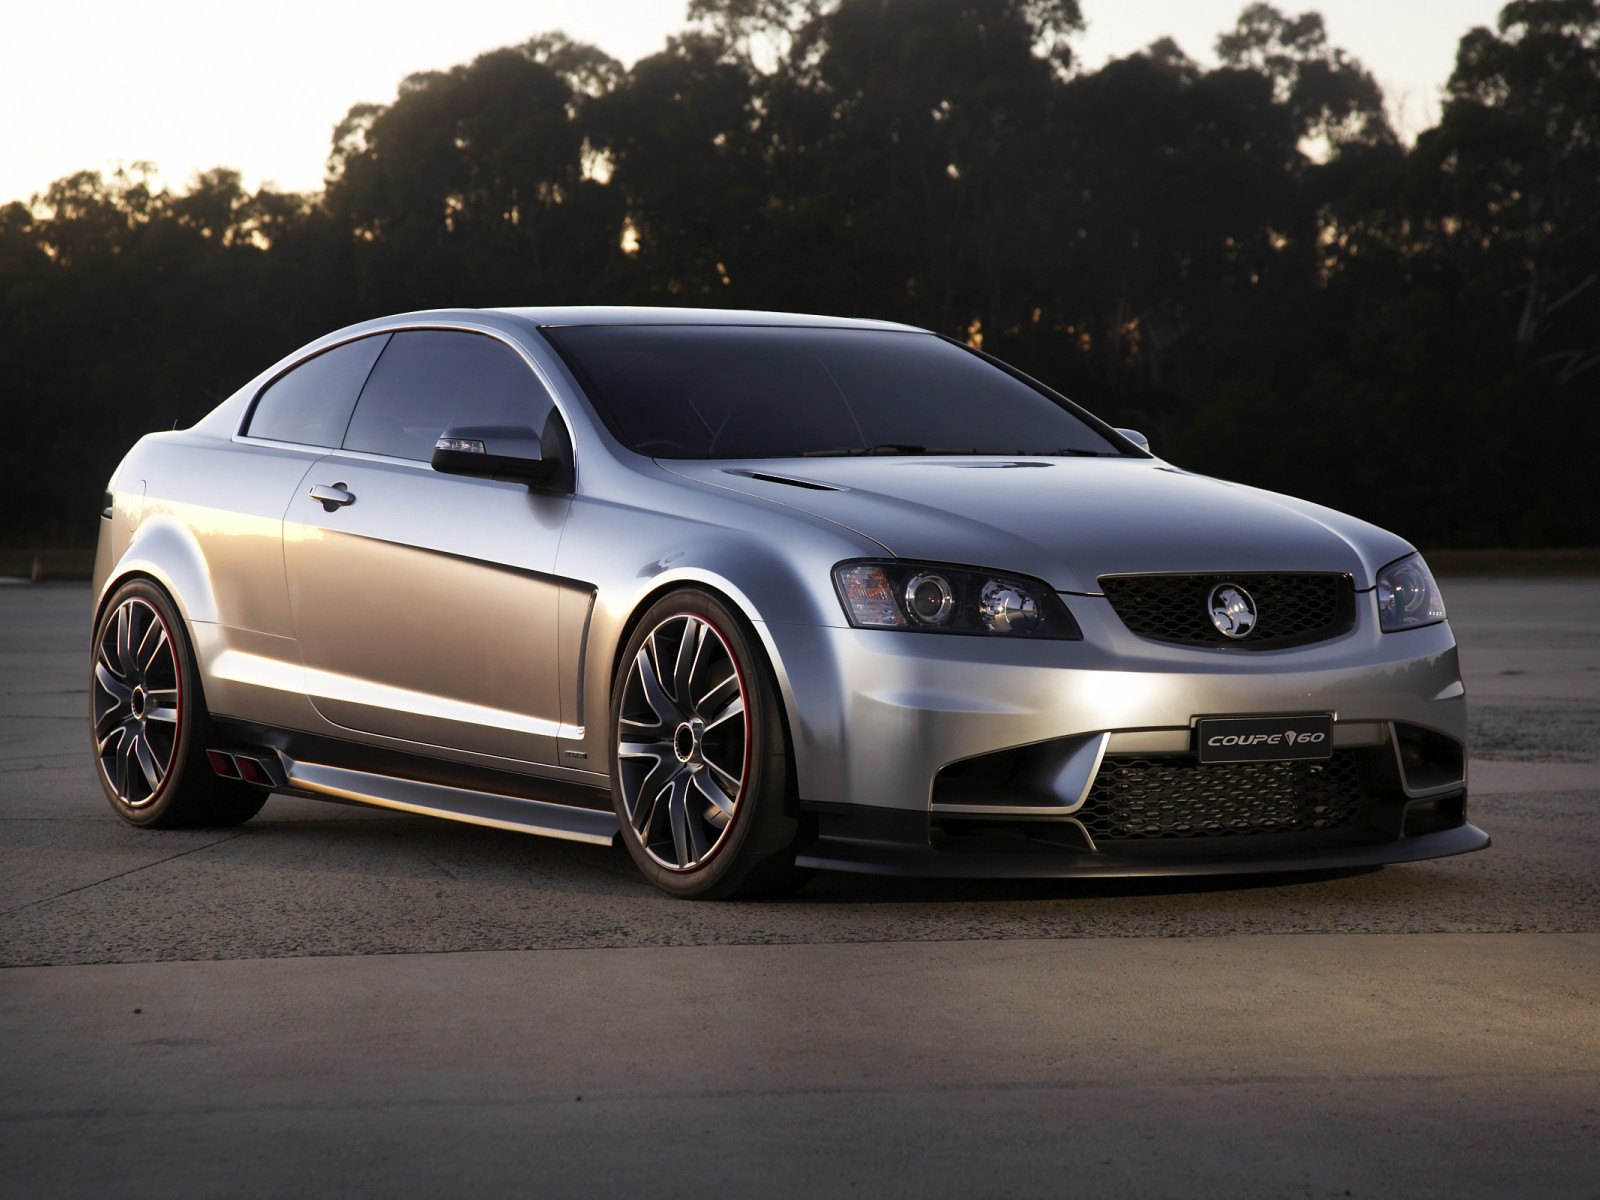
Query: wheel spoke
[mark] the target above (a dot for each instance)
(124, 759)
(151, 646)
(701, 838)
(163, 706)
(706, 784)
(690, 842)
(720, 693)
(734, 783)
(112, 703)
(734, 708)
(694, 640)
(120, 693)
(661, 704)
(153, 771)
(645, 816)
(678, 814)
(125, 656)
(656, 777)
(652, 648)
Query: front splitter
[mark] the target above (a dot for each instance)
(870, 857)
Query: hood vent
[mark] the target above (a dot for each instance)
(995, 466)
(810, 485)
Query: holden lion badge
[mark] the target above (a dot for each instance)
(1232, 610)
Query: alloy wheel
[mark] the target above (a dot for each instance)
(138, 702)
(683, 742)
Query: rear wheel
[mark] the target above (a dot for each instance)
(701, 774)
(148, 720)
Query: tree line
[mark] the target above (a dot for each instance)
(1245, 261)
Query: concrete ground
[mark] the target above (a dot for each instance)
(330, 1001)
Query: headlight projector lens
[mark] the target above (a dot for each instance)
(1408, 597)
(929, 599)
(1006, 609)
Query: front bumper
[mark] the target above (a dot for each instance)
(957, 756)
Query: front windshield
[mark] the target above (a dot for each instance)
(723, 391)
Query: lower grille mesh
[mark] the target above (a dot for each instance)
(1136, 798)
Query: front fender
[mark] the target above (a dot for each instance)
(773, 567)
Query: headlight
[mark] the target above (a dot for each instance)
(933, 598)
(1408, 598)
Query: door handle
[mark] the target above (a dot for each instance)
(332, 498)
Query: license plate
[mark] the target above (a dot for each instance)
(1264, 739)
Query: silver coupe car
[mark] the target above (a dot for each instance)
(758, 595)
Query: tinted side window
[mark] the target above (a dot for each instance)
(311, 403)
(431, 379)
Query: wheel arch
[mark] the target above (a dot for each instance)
(735, 599)
(168, 555)
(137, 573)
(712, 585)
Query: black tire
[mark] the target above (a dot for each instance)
(147, 719)
(701, 774)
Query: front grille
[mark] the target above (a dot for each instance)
(1291, 610)
(1135, 798)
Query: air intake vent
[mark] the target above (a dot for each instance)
(1136, 798)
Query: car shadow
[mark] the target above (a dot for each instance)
(346, 839)
(841, 887)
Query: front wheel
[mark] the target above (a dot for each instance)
(701, 773)
(148, 721)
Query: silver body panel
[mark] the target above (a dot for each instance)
(416, 625)
(1069, 521)
(480, 623)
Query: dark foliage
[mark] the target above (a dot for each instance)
(1245, 262)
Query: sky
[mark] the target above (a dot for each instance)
(188, 85)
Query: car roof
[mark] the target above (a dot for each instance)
(623, 315)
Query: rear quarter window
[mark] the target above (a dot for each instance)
(310, 404)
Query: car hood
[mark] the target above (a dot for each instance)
(1067, 521)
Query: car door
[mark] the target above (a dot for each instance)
(424, 603)
(234, 510)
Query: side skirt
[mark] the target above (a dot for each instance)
(321, 768)
(456, 804)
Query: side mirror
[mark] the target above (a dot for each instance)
(509, 453)
(1137, 438)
